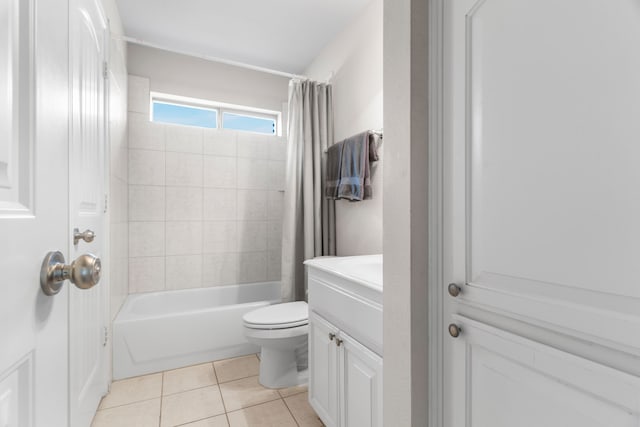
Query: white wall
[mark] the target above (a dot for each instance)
(205, 205)
(405, 213)
(354, 59)
(198, 78)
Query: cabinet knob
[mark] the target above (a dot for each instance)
(331, 336)
(338, 342)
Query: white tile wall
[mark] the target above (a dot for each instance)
(219, 172)
(184, 204)
(184, 139)
(219, 237)
(220, 142)
(146, 167)
(252, 205)
(205, 205)
(253, 146)
(184, 272)
(144, 134)
(274, 265)
(275, 203)
(275, 173)
(252, 236)
(252, 267)
(252, 174)
(146, 274)
(184, 237)
(146, 203)
(184, 169)
(274, 235)
(146, 239)
(220, 269)
(219, 204)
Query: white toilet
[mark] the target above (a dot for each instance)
(281, 330)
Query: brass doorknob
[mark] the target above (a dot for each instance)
(87, 235)
(454, 290)
(454, 330)
(84, 272)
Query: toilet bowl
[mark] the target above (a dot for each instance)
(281, 331)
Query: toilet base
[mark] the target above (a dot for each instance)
(279, 369)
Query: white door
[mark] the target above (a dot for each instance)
(33, 211)
(87, 308)
(323, 369)
(542, 212)
(361, 388)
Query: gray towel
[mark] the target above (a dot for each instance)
(355, 172)
(334, 160)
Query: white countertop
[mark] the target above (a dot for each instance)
(363, 269)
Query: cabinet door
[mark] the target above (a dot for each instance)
(361, 384)
(323, 369)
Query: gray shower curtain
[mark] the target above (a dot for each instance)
(309, 218)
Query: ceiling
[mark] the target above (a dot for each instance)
(281, 35)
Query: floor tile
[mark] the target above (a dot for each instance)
(140, 414)
(303, 412)
(219, 421)
(189, 378)
(290, 391)
(133, 390)
(271, 414)
(245, 392)
(191, 406)
(236, 368)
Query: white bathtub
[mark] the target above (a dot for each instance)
(166, 330)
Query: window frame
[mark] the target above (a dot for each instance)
(220, 108)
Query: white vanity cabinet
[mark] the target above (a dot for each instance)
(323, 370)
(345, 340)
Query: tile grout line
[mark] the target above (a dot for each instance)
(128, 403)
(255, 404)
(161, 399)
(224, 406)
(295, 420)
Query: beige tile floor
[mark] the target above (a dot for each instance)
(225, 393)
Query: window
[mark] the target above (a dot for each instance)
(196, 112)
(184, 115)
(239, 121)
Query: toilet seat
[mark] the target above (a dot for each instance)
(278, 316)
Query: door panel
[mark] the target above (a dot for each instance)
(361, 375)
(513, 381)
(88, 308)
(16, 164)
(541, 205)
(323, 367)
(33, 210)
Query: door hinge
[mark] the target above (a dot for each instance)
(105, 69)
(106, 202)
(106, 337)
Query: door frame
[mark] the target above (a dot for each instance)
(435, 208)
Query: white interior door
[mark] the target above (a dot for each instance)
(33, 211)
(542, 212)
(88, 308)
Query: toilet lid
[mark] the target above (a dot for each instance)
(278, 316)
